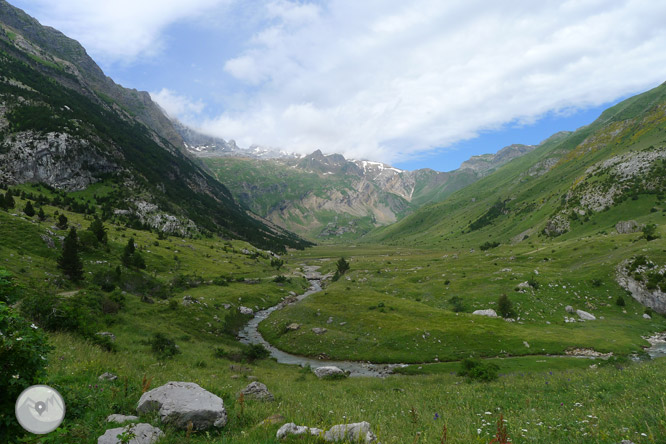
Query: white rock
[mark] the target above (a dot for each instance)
(319, 331)
(246, 310)
(569, 309)
(646, 316)
(106, 376)
(293, 429)
(488, 312)
(181, 402)
(358, 432)
(585, 315)
(143, 434)
(121, 418)
(329, 371)
(258, 391)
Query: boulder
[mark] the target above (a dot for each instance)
(258, 391)
(106, 376)
(245, 310)
(293, 429)
(143, 434)
(524, 285)
(488, 312)
(585, 316)
(628, 226)
(646, 316)
(319, 331)
(293, 326)
(569, 309)
(358, 432)
(329, 371)
(181, 402)
(121, 418)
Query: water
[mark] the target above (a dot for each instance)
(251, 335)
(658, 347)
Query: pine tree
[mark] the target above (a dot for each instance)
(62, 222)
(3, 204)
(41, 215)
(98, 229)
(131, 257)
(9, 200)
(28, 209)
(70, 262)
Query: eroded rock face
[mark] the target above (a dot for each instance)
(143, 434)
(557, 225)
(181, 402)
(655, 299)
(628, 226)
(57, 159)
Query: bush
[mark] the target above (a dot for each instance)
(533, 283)
(23, 352)
(163, 347)
(248, 353)
(489, 245)
(620, 301)
(505, 307)
(280, 279)
(650, 232)
(457, 304)
(475, 370)
(597, 282)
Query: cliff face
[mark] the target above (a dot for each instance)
(53, 46)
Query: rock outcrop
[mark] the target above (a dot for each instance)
(257, 391)
(178, 403)
(488, 312)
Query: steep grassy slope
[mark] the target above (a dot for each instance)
(61, 137)
(559, 178)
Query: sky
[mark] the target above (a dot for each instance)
(425, 83)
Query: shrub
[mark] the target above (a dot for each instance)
(62, 222)
(475, 370)
(457, 304)
(596, 282)
(23, 352)
(173, 304)
(280, 279)
(163, 347)
(489, 245)
(650, 232)
(29, 210)
(620, 301)
(533, 283)
(69, 261)
(505, 307)
(277, 263)
(88, 241)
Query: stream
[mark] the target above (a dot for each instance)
(250, 335)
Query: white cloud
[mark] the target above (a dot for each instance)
(177, 105)
(119, 30)
(385, 79)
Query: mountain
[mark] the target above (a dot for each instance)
(573, 184)
(327, 196)
(63, 123)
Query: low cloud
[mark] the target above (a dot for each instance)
(178, 106)
(388, 79)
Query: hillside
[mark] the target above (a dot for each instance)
(328, 197)
(572, 185)
(57, 130)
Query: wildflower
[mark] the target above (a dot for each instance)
(34, 326)
(19, 339)
(15, 376)
(436, 416)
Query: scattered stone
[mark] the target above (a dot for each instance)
(524, 285)
(121, 418)
(181, 402)
(330, 320)
(293, 326)
(258, 391)
(585, 316)
(189, 300)
(143, 434)
(628, 226)
(488, 312)
(525, 343)
(329, 371)
(293, 429)
(245, 310)
(319, 331)
(251, 378)
(107, 334)
(646, 316)
(106, 376)
(588, 352)
(226, 306)
(358, 432)
(569, 309)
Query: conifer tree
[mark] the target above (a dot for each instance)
(9, 200)
(70, 262)
(99, 230)
(62, 222)
(28, 209)
(41, 215)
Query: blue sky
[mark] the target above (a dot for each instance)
(416, 84)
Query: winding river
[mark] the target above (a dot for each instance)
(250, 335)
